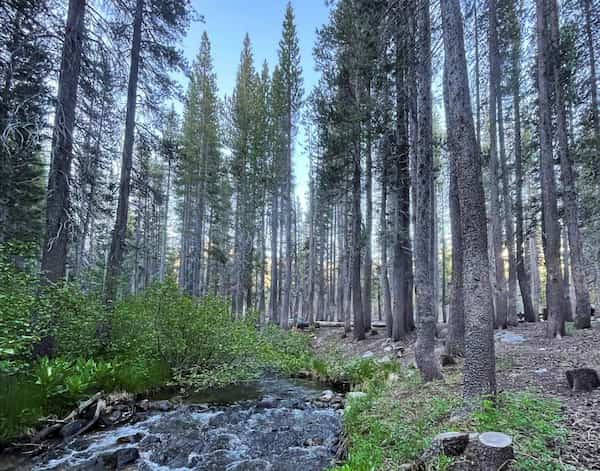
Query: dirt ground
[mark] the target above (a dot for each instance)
(535, 363)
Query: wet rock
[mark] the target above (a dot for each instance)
(327, 396)
(126, 456)
(268, 402)
(135, 438)
(71, 428)
(368, 354)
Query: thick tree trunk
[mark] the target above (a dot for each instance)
(424, 228)
(550, 224)
(567, 176)
(54, 255)
(400, 190)
(500, 290)
(117, 245)
(479, 369)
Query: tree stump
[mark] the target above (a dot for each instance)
(583, 379)
(447, 443)
(495, 451)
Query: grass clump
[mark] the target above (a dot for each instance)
(399, 416)
(532, 421)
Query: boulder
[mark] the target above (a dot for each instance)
(327, 395)
(126, 456)
(583, 379)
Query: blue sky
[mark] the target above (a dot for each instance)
(227, 21)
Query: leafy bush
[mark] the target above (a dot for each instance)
(18, 304)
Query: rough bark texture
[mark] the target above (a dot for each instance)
(117, 245)
(567, 176)
(54, 254)
(479, 369)
(424, 282)
(500, 290)
(400, 192)
(550, 224)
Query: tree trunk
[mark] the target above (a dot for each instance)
(58, 217)
(400, 190)
(479, 369)
(385, 281)
(455, 343)
(500, 289)
(368, 262)
(511, 309)
(424, 228)
(163, 245)
(522, 275)
(567, 176)
(287, 199)
(273, 304)
(117, 246)
(550, 224)
(357, 307)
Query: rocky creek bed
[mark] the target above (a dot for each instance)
(274, 424)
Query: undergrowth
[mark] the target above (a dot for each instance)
(399, 416)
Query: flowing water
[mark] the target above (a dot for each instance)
(267, 425)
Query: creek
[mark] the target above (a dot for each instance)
(273, 424)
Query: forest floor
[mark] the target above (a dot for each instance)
(530, 362)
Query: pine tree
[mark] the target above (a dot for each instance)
(25, 65)
(291, 89)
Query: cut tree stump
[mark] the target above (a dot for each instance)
(494, 451)
(447, 443)
(583, 379)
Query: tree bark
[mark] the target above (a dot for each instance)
(522, 275)
(511, 308)
(424, 228)
(500, 290)
(567, 176)
(117, 246)
(479, 369)
(273, 304)
(550, 224)
(58, 218)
